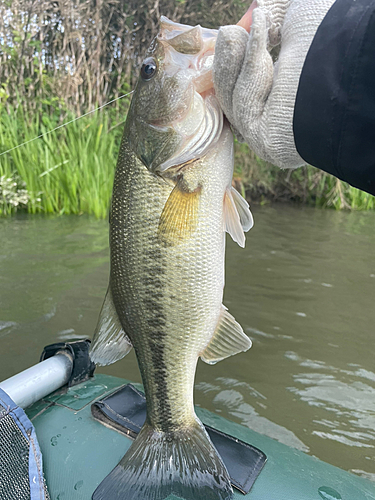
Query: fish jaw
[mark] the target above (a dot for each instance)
(174, 116)
(191, 48)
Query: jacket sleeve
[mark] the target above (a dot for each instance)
(334, 114)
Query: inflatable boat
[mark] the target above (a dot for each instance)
(63, 429)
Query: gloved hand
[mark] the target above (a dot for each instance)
(256, 95)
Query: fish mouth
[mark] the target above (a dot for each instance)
(189, 52)
(192, 49)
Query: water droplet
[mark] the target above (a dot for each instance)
(328, 493)
(78, 485)
(79, 418)
(54, 441)
(58, 435)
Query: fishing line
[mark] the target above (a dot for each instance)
(65, 124)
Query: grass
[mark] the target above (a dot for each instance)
(67, 171)
(70, 171)
(264, 182)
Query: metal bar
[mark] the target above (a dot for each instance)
(36, 382)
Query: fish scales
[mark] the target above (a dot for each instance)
(172, 203)
(167, 296)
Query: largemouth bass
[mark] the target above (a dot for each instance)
(172, 203)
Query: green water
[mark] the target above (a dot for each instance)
(303, 290)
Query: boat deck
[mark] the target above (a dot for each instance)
(78, 452)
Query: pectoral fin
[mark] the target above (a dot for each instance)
(179, 217)
(110, 343)
(237, 216)
(228, 339)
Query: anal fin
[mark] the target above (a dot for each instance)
(228, 339)
(110, 343)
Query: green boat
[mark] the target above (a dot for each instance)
(87, 422)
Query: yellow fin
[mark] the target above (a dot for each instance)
(228, 339)
(179, 217)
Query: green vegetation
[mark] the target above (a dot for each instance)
(59, 60)
(263, 182)
(68, 171)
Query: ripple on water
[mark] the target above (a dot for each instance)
(324, 383)
(351, 403)
(232, 401)
(6, 327)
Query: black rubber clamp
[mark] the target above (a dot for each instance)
(83, 367)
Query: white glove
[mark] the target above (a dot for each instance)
(256, 95)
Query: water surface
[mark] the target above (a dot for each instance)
(303, 290)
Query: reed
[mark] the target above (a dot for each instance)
(263, 182)
(61, 59)
(67, 171)
(70, 171)
(82, 53)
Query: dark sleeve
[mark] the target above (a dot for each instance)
(334, 115)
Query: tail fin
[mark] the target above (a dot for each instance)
(183, 463)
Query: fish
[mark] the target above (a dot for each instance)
(172, 203)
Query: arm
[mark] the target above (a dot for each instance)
(312, 105)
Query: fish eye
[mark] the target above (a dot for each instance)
(148, 69)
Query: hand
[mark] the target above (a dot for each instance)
(257, 95)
